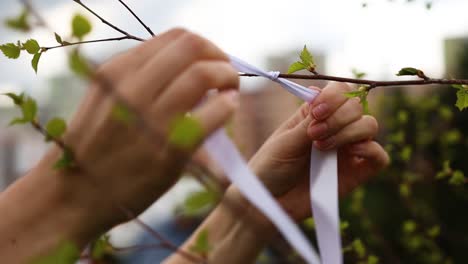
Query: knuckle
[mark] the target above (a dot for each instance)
(356, 106)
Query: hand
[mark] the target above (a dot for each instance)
(331, 121)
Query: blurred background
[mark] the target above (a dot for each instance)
(415, 212)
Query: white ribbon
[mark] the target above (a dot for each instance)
(323, 187)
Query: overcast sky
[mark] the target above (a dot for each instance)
(379, 39)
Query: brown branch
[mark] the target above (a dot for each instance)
(137, 18)
(130, 36)
(373, 84)
(66, 44)
(40, 20)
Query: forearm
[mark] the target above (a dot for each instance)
(234, 234)
(42, 210)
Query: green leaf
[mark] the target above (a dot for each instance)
(433, 231)
(58, 38)
(18, 121)
(408, 71)
(307, 59)
(66, 253)
(56, 127)
(35, 61)
(79, 65)
(100, 247)
(29, 109)
(185, 132)
(10, 50)
(202, 245)
(359, 248)
(65, 161)
(80, 26)
(31, 46)
(462, 96)
(17, 99)
(353, 94)
(122, 113)
(409, 226)
(372, 259)
(458, 178)
(19, 23)
(198, 201)
(357, 74)
(296, 66)
(309, 223)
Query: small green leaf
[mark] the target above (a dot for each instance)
(199, 201)
(19, 23)
(353, 94)
(18, 121)
(122, 114)
(202, 245)
(358, 74)
(58, 38)
(409, 226)
(11, 50)
(185, 132)
(79, 65)
(100, 247)
(309, 223)
(307, 59)
(462, 96)
(80, 26)
(408, 71)
(359, 248)
(66, 253)
(65, 161)
(56, 127)
(31, 46)
(458, 178)
(296, 66)
(433, 231)
(35, 61)
(29, 109)
(372, 259)
(17, 99)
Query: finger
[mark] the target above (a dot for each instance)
(162, 68)
(216, 111)
(363, 129)
(372, 152)
(349, 112)
(128, 62)
(367, 158)
(188, 90)
(329, 100)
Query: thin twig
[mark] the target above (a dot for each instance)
(138, 18)
(373, 84)
(41, 21)
(107, 22)
(66, 44)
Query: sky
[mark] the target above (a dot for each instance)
(379, 39)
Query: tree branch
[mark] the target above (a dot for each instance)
(138, 18)
(66, 44)
(130, 36)
(373, 84)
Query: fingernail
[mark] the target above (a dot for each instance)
(318, 130)
(326, 144)
(320, 111)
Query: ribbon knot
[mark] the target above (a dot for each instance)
(274, 75)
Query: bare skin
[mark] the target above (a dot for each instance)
(164, 78)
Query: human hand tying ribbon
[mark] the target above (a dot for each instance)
(282, 164)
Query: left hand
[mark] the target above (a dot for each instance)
(331, 121)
